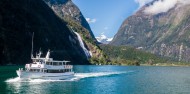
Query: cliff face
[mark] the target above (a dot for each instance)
(20, 18)
(71, 14)
(66, 8)
(165, 34)
(57, 25)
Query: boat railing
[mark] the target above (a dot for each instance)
(20, 69)
(68, 66)
(63, 66)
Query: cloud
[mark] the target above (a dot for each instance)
(89, 20)
(161, 6)
(142, 2)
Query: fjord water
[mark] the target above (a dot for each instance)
(103, 80)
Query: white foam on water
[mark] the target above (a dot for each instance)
(98, 74)
(13, 79)
(76, 77)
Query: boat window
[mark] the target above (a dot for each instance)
(34, 70)
(66, 70)
(34, 60)
(55, 63)
(41, 61)
(37, 70)
(48, 63)
(45, 70)
(60, 63)
(55, 71)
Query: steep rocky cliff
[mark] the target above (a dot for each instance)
(66, 8)
(72, 15)
(166, 33)
(57, 25)
(20, 18)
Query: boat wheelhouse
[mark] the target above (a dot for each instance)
(46, 68)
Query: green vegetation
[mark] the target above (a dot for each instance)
(77, 27)
(81, 26)
(124, 55)
(98, 56)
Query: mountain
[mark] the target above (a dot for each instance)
(103, 39)
(164, 31)
(66, 8)
(67, 36)
(19, 19)
(76, 22)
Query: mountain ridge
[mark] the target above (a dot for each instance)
(69, 37)
(19, 19)
(66, 8)
(76, 22)
(165, 34)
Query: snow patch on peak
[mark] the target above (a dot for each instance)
(103, 39)
(109, 39)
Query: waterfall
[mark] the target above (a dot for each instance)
(180, 52)
(87, 53)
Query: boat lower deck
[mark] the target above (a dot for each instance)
(44, 75)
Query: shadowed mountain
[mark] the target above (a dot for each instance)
(20, 18)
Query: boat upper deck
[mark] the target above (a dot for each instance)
(47, 63)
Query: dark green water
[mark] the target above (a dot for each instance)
(103, 80)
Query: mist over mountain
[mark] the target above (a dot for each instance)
(161, 27)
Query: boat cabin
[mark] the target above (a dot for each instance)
(48, 65)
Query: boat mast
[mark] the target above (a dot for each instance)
(48, 54)
(32, 45)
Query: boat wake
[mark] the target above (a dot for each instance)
(76, 77)
(98, 74)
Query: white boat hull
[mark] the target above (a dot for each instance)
(43, 75)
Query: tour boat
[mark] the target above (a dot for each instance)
(46, 68)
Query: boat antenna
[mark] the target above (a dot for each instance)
(32, 45)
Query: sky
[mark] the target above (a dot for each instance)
(106, 16)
